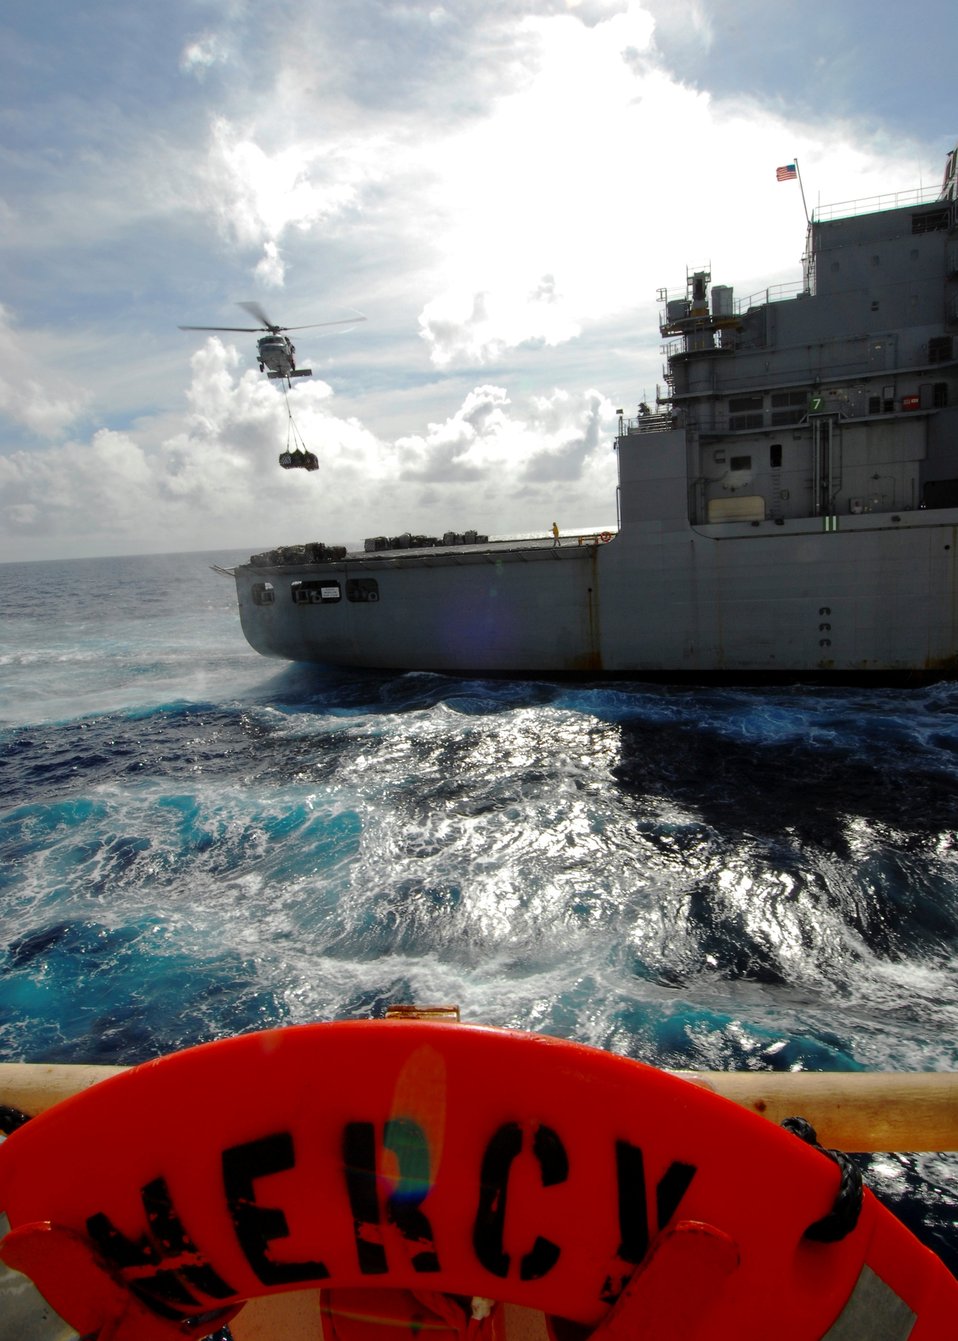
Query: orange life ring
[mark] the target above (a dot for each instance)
(605, 537)
(452, 1161)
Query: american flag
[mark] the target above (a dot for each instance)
(788, 173)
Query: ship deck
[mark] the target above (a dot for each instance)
(512, 549)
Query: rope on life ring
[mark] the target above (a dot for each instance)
(368, 1158)
(605, 537)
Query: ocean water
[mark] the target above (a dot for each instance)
(196, 841)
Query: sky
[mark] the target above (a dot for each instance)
(500, 188)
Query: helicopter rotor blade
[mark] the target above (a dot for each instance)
(247, 330)
(343, 321)
(256, 311)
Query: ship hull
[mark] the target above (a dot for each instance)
(870, 597)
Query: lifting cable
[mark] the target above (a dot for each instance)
(292, 432)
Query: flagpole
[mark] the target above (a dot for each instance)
(801, 188)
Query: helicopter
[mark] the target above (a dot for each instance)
(275, 350)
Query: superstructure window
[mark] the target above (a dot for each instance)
(362, 589)
(775, 455)
(746, 412)
(740, 463)
(932, 221)
(939, 349)
(940, 494)
(788, 407)
(315, 592)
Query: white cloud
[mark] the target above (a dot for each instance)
(687, 24)
(540, 199)
(259, 194)
(476, 437)
(201, 53)
(214, 479)
(476, 328)
(568, 432)
(510, 467)
(40, 403)
(595, 11)
(101, 485)
(270, 270)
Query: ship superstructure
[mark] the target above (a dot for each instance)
(838, 398)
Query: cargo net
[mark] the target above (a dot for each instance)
(296, 457)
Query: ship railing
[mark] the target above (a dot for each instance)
(659, 422)
(773, 293)
(893, 200)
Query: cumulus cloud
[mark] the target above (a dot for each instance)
(500, 459)
(257, 193)
(569, 432)
(539, 198)
(214, 480)
(269, 268)
(464, 445)
(683, 25)
(41, 404)
(101, 485)
(591, 12)
(478, 328)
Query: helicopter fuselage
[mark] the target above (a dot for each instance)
(277, 357)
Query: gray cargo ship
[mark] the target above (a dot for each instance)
(787, 508)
